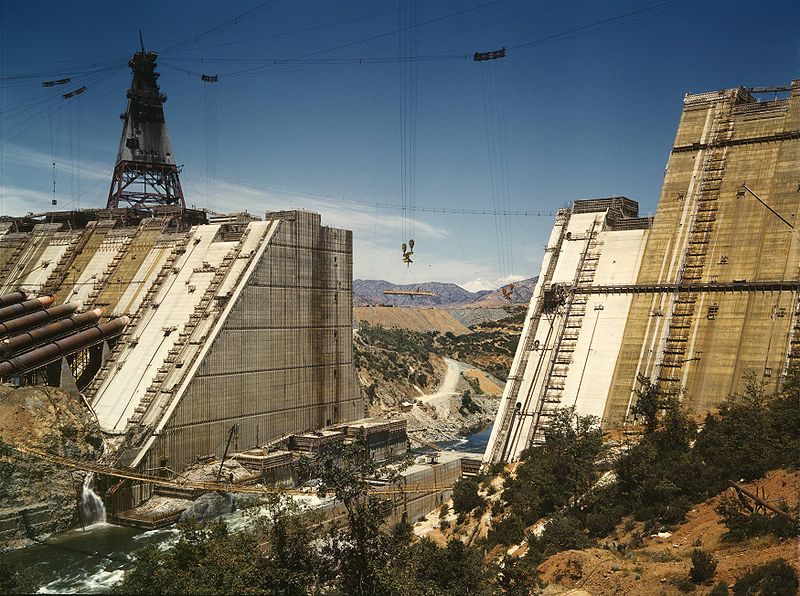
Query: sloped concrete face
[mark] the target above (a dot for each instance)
(282, 360)
(571, 337)
(707, 231)
(245, 323)
(702, 298)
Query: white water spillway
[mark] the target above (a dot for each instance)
(93, 511)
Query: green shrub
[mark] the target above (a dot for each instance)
(743, 524)
(6, 468)
(468, 406)
(507, 531)
(603, 523)
(563, 532)
(776, 578)
(465, 495)
(721, 589)
(557, 472)
(704, 566)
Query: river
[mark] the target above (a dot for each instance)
(474, 443)
(91, 561)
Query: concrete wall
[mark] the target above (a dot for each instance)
(750, 331)
(566, 358)
(729, 308)
(282, 361)
(247, 322)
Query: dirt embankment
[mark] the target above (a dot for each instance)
(45, 419)
(632, 562)
(661, 563)
(413, 319)
(448, 412)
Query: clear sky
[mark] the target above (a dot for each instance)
(313, 109)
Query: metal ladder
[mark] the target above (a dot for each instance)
(124, 339)
(675, 344)
(500, 444)
(201, 310)
(100, 282)
(10, 265)
(574, 313)
(793, 350)
(61, 270)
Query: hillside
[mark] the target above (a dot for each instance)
(675, 507)
(413, 319)
(491, 344)
(367, 292)
(49, 419)
(633, 559)
(520, 294)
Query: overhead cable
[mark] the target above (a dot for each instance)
(380, 205)
(370, 38)
(234, 21)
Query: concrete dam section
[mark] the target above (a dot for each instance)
(241, 321)
(696, 299)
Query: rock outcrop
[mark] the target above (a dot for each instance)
(42, 496)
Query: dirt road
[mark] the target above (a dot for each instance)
(449, 385)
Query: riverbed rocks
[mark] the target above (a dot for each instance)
(209, 506)
(444, 418)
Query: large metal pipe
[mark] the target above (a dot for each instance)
(17, 343)
(37, 318)
(17, 310)
(13, 298)
(62, 347)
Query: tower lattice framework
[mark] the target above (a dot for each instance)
(145, 175)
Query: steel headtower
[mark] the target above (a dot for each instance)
(146, 175)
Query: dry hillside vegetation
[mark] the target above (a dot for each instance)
(653, 515)
(413, 319)
(631, 560)
(398, 363)
(490, 346)
(394, 365)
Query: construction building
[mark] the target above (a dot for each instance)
(698, 299)
(186, 334)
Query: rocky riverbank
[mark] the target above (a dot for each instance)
(42, 496)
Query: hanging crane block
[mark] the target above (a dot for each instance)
(56, 82)
(77, 91)
(493, 55)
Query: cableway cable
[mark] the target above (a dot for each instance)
(380, 205)
(366, 39)
(408, 45)
(216, 29)
(293, 32)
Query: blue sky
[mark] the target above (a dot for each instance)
(585, 104)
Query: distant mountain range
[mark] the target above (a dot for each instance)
(369, 292)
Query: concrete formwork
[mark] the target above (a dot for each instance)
(564, 353)
(281, 359)
(743, 330)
